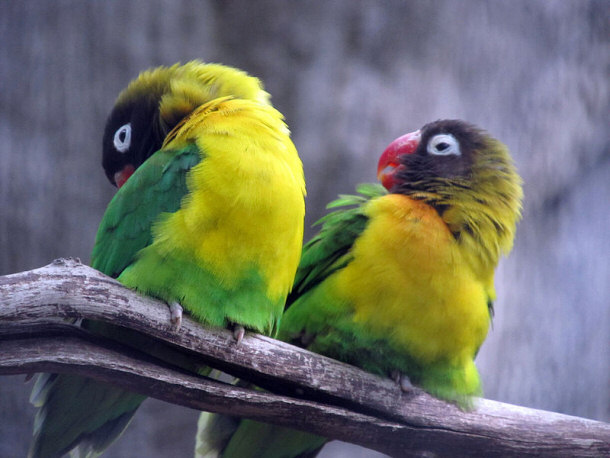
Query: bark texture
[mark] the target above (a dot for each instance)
(320, 395)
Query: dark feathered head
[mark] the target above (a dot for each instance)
(158, 99)
(465, 174)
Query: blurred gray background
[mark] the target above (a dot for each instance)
(350, 76)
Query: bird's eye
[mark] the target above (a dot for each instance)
(122, 138)
(443, 145)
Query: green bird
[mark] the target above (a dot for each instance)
(399, 280)
(208, 217)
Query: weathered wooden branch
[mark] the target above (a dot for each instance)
(317, 394)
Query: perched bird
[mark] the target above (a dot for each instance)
(399, 281)
(209, 217)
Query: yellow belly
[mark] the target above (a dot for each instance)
(245, 208)
(409, 282)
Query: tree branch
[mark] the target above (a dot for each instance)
(317, 394)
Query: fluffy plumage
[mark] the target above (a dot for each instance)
(213, 219)
(155, 102)
(401, 282)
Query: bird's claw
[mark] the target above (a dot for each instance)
(402, 380)
(175, 314)
(405, 383)
(238, 332)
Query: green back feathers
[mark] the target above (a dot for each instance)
(126, 227)
(328, 251)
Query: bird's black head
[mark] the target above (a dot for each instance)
(439, 152)
(465, 174)
(132, 134)
(446, 151)
(156, 101)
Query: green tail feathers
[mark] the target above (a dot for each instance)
(98, 414)
(229, 437)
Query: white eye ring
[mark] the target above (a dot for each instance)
(444, 145)
(122, 138)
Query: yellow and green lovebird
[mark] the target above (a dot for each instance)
(400, 280)
(209, 217)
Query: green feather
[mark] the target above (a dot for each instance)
(328, 251)
(55, 433)
(127, 224)
(230, 437)
(181, 279)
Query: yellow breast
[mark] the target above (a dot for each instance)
(245, 205)
(410, 282)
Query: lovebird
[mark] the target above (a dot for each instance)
(399, 279)
(208, 217)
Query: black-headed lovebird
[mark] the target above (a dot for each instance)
(209, 217)
(399, 281)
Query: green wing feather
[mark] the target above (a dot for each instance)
(126, 226)
(329, 250)
(80, 411)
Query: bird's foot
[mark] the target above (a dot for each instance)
(175, 314)
(403, 381)
(238, 332)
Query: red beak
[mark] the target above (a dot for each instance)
(123, 175)
(389, 162)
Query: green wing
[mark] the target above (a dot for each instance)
(160, 183)
(75, 410)
(329, 250)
